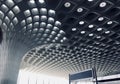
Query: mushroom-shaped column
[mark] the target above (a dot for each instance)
(25, 25)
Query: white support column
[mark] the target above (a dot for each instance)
(11, 54)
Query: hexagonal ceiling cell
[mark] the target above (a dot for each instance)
(63, 36)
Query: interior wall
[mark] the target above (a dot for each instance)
(32, 78)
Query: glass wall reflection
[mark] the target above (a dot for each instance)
(87, 81)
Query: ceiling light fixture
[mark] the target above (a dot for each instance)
(100, 19)
(80, 10)
(32, 1)
(107, 32)
(91, 26)
(99, 29)
(81, 22)
(74, 29)
(82, 32)
(67, 4)
(98, 37)
(41, 1)
(103, 4)
(90, 34)
(110, 22)
(90, 0)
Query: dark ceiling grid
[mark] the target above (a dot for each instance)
(77, 62)
(92, 29)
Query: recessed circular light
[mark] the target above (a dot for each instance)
(110, 22)
(56, 38)
(103, 4)
(53, 41)
(61, 41)
(80, 10)
(99, 29)
(58, 35)
(32, 1)
(67, 4)
(97, 43)
(82, 32)
(90, 34)
(64, 38)
(98, 37)
(81, 22)
(91, 26)
(90, 0)
(74, 29)
(107, 32)
(100, 18)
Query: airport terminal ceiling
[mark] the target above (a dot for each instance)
(59, 37)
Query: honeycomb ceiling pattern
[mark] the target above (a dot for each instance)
(90, 30)
(93, 31)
